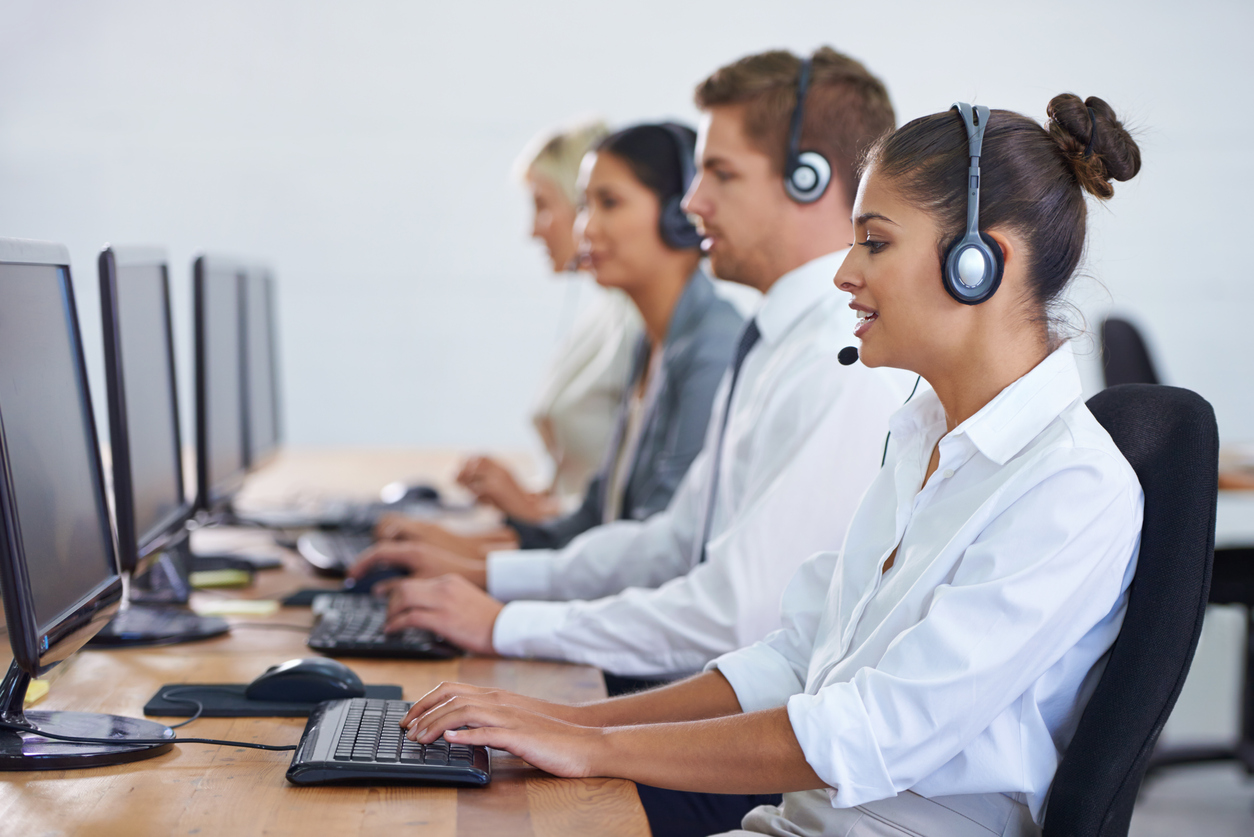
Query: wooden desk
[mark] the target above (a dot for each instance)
(209, 790)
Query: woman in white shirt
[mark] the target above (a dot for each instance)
(929, 676)
(575, 411)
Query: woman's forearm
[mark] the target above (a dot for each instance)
(702, 696)
(744, 753)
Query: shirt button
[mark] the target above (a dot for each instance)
(947, 473)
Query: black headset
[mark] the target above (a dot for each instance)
(806, 173)
(674, 225)
(973, 263)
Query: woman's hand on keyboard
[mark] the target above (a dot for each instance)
(448, 691)
(450, 606)
(493, 484)
(529, 728)
(422, 560)
(398, 527)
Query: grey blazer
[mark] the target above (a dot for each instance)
(700, 341)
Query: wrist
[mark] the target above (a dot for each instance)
(595, 714)
(494, 611)
(605, 753)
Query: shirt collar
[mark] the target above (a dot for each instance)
(1015, 416)
(795, 293)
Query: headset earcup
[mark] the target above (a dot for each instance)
(675, 227)
(949, 270)
(808, 178)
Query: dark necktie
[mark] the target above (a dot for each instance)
(748, 338)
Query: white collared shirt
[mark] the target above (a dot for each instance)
(804, 439)
(964, 668)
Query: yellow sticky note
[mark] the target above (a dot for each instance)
(35, 692)
(237, 607)
(220, 578)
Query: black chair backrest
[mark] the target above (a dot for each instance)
(1125, 359)
(1169, 437)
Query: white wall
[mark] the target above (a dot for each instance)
(364, 150)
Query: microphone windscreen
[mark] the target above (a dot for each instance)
(847, 356)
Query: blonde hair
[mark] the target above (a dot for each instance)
(555, 154)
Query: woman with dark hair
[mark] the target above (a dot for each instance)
(929, 676)
(574, 410)
(634, 239)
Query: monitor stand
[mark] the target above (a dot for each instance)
(31, 751)
(140, 625)
(154, 611)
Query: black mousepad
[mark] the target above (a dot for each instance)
(226, 700)
(304, 598)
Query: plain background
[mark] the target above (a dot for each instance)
(364, 150)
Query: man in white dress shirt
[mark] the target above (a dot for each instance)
(784, 464)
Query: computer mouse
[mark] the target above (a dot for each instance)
(366, 583)
(401, 493)
(306, 681)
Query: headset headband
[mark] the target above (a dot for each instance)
(973, 263)
(798, 115)
(974, 119)
(684, 151)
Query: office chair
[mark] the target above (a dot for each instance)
(1169, 437)
(1125, 359)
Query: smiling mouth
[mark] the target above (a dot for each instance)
(865, 318)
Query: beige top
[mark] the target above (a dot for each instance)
(642, 397)
(583, 389)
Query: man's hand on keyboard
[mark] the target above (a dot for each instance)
(423, 560)
(450, 606)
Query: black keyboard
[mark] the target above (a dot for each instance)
(360, 739)
(351, 625)
(332, 553)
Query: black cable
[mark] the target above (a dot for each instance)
(884, 456)
(200, 707)
(75, 739)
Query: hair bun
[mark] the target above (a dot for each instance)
(1094, 141)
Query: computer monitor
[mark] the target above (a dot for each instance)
(217, 286)
(59, 577)
(150, 504)
(263, 424)
(152, 507)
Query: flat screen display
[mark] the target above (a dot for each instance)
(54, 470)
(223, 409)
(263, 417)
(151, 408)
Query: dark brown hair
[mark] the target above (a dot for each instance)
(652, 154)
(846, 108)
(1032, 178)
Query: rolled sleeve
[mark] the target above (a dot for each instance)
(813, 717)
(520, 574)
(760, 676)
(958, 681)
(526, 629)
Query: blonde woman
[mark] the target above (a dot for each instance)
(579, 399)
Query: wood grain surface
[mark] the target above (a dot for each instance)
(210, 790)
